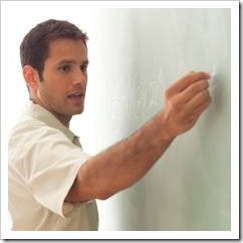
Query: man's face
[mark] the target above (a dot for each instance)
(62, 90)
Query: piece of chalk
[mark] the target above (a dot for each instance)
(212, 79)
(212, 85)
(213, 74)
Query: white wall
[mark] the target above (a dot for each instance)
(134, 55)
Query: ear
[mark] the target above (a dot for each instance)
(31, 77)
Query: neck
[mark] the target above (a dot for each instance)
(64, 119)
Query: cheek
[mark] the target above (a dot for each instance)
(52, 93)
(53, 86)
(45, 92)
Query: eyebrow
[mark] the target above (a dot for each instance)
(71, 61)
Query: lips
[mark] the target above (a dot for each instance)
(77, 94)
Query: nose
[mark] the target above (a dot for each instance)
(80, 78)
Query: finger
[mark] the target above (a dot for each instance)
(200, 100)
(198, 112)
(190, 92)
(186, 81)
(193, 90)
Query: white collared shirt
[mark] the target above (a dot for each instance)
(43, 162)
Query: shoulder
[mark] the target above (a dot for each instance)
(34, 142)
(30, 132)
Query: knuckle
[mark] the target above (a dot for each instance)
(174, 104)
(204, 95)
(167, 93)
(204, 84)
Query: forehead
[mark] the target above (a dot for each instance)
(67, 48)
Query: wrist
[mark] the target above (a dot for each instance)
(165, 130)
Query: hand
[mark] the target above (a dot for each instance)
(185, 100)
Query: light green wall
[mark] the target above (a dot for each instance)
(145, 50)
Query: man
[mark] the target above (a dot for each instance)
(53, 184)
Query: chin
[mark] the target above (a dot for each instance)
(77, 111)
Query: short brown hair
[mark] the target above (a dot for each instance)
(34, 48)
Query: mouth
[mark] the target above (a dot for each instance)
(76, 96)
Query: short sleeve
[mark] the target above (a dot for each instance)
(50, 167)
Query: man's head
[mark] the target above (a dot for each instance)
(34, 48)
(54, 60)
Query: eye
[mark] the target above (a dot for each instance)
(65, 68)
(84, 68)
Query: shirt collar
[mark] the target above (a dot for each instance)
(38, 112)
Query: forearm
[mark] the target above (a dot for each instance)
(126, 162)
(121, 165)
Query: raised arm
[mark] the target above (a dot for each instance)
(124, 163)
